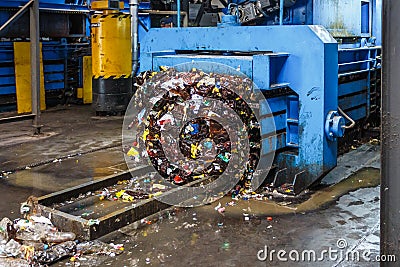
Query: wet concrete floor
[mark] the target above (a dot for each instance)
(346, 212)
(75, 148)
(199, 236)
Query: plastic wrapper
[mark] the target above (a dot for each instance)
(97, 247)
(55, 253)
(12, 248)
(3, 227)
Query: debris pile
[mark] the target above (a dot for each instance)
(34, 241)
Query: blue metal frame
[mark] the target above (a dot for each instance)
(354, 94)
(323, 75)
(56, 51)
(292, 63)
(305, 59)
(54, 55)
(76, 5)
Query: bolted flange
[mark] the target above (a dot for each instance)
(334, 125)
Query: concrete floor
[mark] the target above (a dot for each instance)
(201, 236)
(88, 147)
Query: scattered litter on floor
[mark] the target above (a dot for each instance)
(34, 241)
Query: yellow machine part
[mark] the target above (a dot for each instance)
(111, 46)
(107, 5)
(87, 80)
(79, 92)
(22, 62)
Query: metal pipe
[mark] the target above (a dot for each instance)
(178, 13)
(35, 63)
(17, 118)
(281, 4)
(133, 10)
(352, 122)
(19, 13)
(390, 150)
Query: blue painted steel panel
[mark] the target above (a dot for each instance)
(53, 85)
(358, 113)
(54, 68)
(54, 76)
(261, 71)
(310, 69)
(7, 80)
(353, 101)
(276, 104)
(365, 17)
(267, 127)
(244, 63)
(353, 87)
(293, 135)
(272, 143)
(6, 71)
(377, 21)
(7, 89)
(341, 17)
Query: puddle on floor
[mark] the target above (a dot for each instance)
(180, 237)
(367, 177)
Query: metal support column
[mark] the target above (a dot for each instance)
(390, 186)
(281, 4)
(178, 13)
(16, 16)
(133, 9)
(35, 63)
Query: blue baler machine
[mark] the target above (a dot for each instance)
(316, 61)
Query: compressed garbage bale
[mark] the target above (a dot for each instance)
(193, 90)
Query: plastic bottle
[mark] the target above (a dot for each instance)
(59, 237)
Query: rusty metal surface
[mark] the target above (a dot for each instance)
(119, 217)
(75, 191)
(83, 229)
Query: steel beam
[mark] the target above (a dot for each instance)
(35, 63)
(16, 15)
(17, 118)
(390, 171)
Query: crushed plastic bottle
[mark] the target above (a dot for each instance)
(29, 236)
(55, 253)
(97, 247)
(12, 248)
(59, 237)
(3, 227)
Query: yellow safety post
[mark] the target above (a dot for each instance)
(22, 64)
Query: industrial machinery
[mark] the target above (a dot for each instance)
(65, 36)
(111, 57)
(64, 30)
(317, 63)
